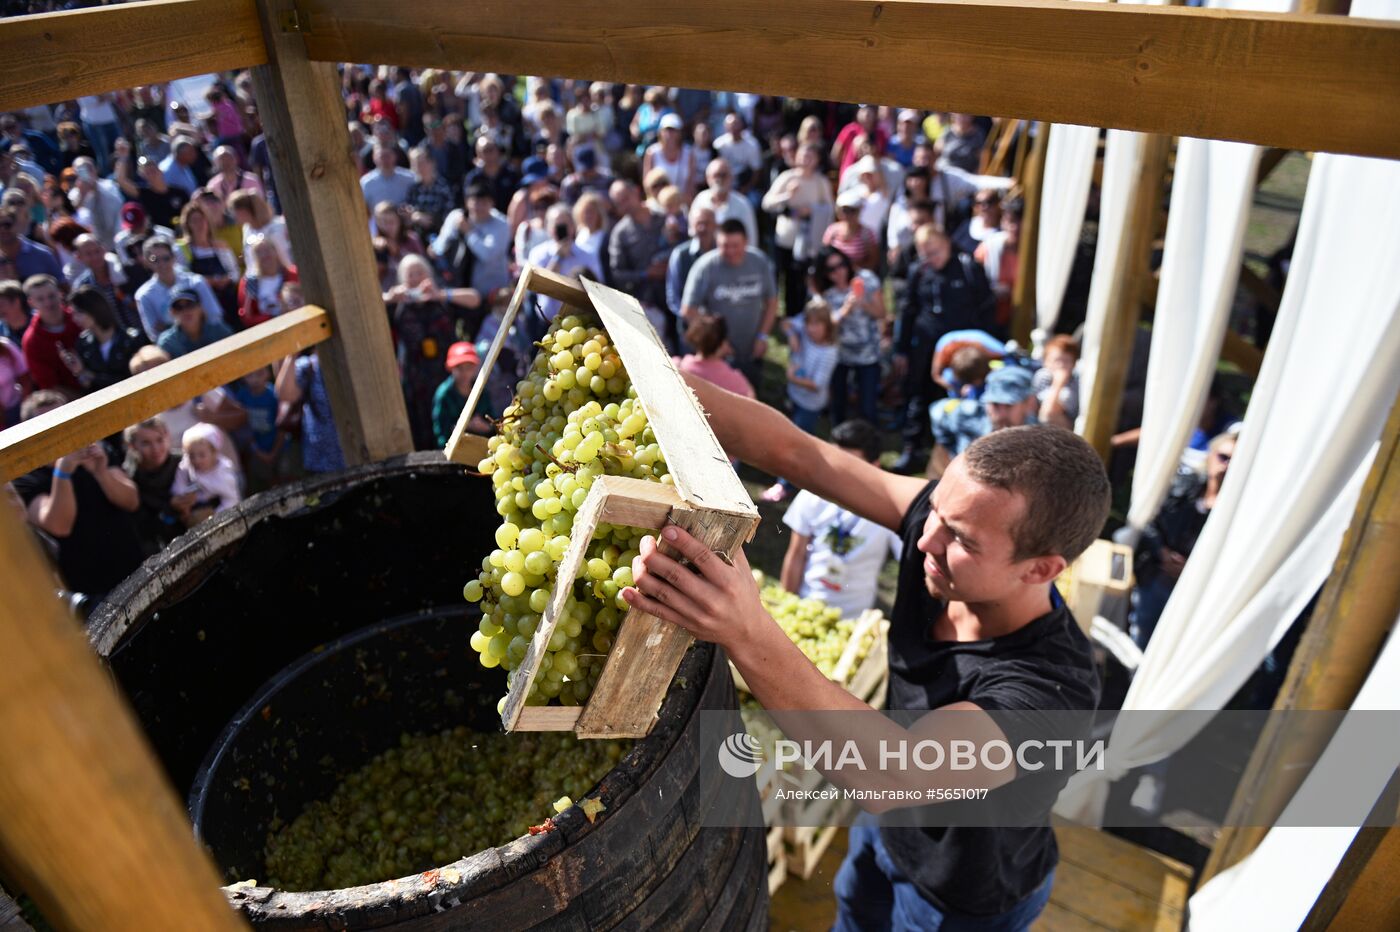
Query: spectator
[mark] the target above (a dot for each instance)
(866, 123)
(1056, 384)
(103, 270)
(387, 182)
(104, 347)
(534, 231)
(20, 256)
(206, 481)
(425, 320)
(430, 196)
(587, 177)
(906, 138)
(153, 298)
(228, 178)
(874, 199)
(211, 407)
(635, 261)
(300, 385)
(261, 444)
(702, 140)
(684, 256)
(858, 305)
(228, 122)
(674, 155)
(1000, 255)
(191, 329)
(448, 155)
(97, 202)
(14, 135)
(591, 222)
(152, 470)
(380, 107)
(533, 198)
(131, 243)
(961, 144)
(161, 200)
(984, 222)
(945, 292)
(833, 554)
(225, 230)
(14, 312)
(101, 125)
(150, 141)
(741, 151)
(85, 504)
(179, 167)
(801, 200)
(1006, 401)
(51, 335)
(589, 121)
(15, 384)
(849, 235)
(260, 291)
(492, 172)
(646, 121)
(251, 210)
(203, 253)
(1168, 540)
(735, 282)
(474, 244)
(450, 399)
(408, 104)
(721, 199)
(708, 336)
(811, 360)
(561, 254)
(393, 241)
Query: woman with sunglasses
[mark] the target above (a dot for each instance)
(858, 309)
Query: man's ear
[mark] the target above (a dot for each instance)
(1042, 570)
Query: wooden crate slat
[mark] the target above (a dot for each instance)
(459, 449)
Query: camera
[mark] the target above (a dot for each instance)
(561, 231)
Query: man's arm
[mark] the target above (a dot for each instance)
(57, 511)
(764, 437)
(795, 563)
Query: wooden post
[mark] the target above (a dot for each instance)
(1355, 612)
(318, 186)
(1125, 287)
(91, 829)
(1023, 295)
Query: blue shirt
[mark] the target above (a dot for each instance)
(956, 422)
(392, 188)
(153, 301)
(37, 259)
(178, 343)
(320, 444)
(262, 414)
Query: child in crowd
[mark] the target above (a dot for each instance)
(260, 443)
(708, 335)
(812, 358)
(450, 398)
(152, 468)
(1056, 385)
(206, 481)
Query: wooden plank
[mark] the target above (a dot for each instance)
(547, 718)
(1124, 308)
(1373, 901)
(70, 54)
(1023, 292)
(319, 187)
(1102, 901)
(45, 438)
(455, 449)
(696, 461)
(1354, 614)
(1058, 917)
(1312, 83)
(92, 830)
(1122, 863)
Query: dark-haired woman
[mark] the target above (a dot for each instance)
(858, 309)
(104, 351)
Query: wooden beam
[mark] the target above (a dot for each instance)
(45, 438)
(1356, 610)
(1372, 900)
(1124, 305)
(1023, 293)
(1242, 354)
(1316, 83)
(318, 184)
(61, 56)
(91, 830)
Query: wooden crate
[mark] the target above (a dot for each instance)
(707, 499)
(1104, 571)
(860, 678)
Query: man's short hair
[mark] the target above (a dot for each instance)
(971, 364)
(858, 435)
(734, 225)
(35, 282)
(1061, 478)
(11, 289)
(42, 400)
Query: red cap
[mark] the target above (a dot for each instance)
(132, 213)
(459, 353)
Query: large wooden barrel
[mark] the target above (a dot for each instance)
(234, 646)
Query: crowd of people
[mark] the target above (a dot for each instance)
(858, 250)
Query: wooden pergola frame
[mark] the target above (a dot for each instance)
(89, 818)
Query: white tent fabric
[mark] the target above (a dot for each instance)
(1069, 170)
(1330, 376)
(1115, 197)
(1212, 187)
(1276, 886)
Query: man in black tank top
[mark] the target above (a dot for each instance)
(975, 629)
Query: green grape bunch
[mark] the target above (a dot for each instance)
(574, 417)
(431, 800)
(816, 628)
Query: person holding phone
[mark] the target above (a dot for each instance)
(858, 308)
(560, 254)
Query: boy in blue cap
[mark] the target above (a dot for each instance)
(1006, 401)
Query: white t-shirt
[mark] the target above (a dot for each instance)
(844, 581)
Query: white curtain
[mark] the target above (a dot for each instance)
(1120, 158)
(1330, 376)
(1212, 189)
(1276, 886)
(1064, 195)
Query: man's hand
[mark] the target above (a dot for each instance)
(71, 462)
(93, 458)
(1172, 562)
(711, 598)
